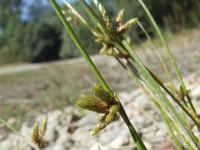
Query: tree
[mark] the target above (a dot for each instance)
(9, 9)
(34, 38)
(43, 41)
(69, 49)
(12, 30)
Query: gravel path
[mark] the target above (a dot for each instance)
(19, 69)
(66, 131)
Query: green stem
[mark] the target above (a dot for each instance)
(136, 137)
(174, 98)
(159, 56)
(134, 134)
(170, 128)
(133, 70)
(155, 88)
(169, 52)
(165, 118)
(79, 45)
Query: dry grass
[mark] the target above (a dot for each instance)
(55, 85)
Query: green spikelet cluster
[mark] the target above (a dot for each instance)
(35, 133)
(38, 133)
(102, 103)
(100, 126)
(120, 16)
(103, 14)
(125, 27)
(104, 95)
(93, 103)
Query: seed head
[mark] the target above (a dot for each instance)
(104, 103)
(123, 28)
(38, 133)
(120, 16)
(103, 13)
(43, 127)
(103, 94)
(35, 134)
(100, 126)
(92, 103)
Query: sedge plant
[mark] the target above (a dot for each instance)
(26, 139)
(102, 82)
(111, 35)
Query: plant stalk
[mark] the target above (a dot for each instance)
(169, 52)
(135, 136)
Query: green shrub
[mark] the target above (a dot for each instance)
(43, 42)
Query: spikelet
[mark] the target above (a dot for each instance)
(103, 13)
(108, 48)
(103, 94)
(123, 28)
(38, 133)
(35, 134)
(110, 117)
(93, 103)
(101, 117)
(43, 127)
(74, 13)
(120, 16)
(104, 103)
(114, 108)
(102, 39)
(99, 127)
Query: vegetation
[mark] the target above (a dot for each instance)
(38, 38)
(36, 35)
(111, 35)
(57, 85)
(35, 39)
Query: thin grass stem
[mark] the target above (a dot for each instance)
(136, 137)
(169, 52)
(159, 56)
(153, 86)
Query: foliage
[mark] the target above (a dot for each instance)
(166, 98)
(175, 13)
(17, 27)
(11, 38)
(43, 40)
(33, 39)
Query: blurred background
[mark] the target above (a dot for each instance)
(31, 32)
(39, 65)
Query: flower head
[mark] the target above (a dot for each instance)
(38, 133)
(102, 102)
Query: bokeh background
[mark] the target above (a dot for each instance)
(40, 68)
(31, 32)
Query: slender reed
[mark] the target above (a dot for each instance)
(169, 52)
(115, 44)
(135, 136)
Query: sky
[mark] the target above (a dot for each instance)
(29, 2)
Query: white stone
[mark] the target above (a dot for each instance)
(196, 92)
(120, 141)
(59, 147)
(98, 146)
